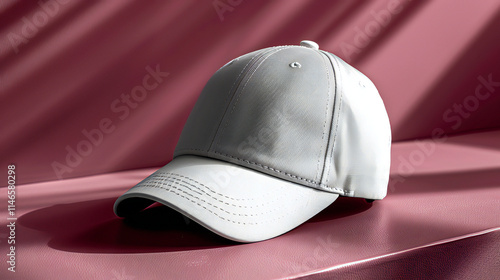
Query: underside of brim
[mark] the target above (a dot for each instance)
(233, 201)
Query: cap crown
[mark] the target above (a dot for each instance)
(296, 113)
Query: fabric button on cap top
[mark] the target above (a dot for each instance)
(309, 44)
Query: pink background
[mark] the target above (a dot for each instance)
(66, 65)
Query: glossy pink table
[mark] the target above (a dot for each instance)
(440, 219)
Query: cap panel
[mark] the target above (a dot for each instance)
(279, 120)
(203, 122)
(361, 138)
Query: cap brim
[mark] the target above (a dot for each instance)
(233, 201)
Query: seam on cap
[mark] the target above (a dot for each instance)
(190, 198)
(214, 143)
(158, 184)
(201, 184)
(189, 186)
(270, 168)
(266, 56)
(316, 184)
(209, 210)
(324, 125)
(341, 92)
(230, 96)
(194, 152)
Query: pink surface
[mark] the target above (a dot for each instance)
(443, 224)
(67, 66)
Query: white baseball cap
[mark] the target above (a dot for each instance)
(275, 137)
